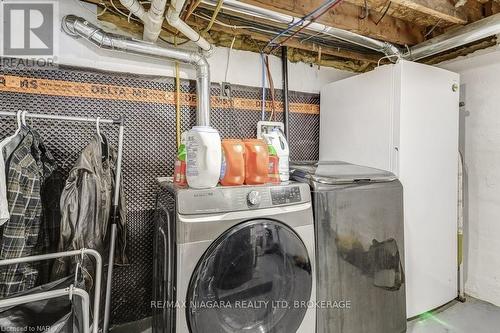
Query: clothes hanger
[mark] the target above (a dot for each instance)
(19, 123)
(23, 118)
(97, 128)
(104, 144)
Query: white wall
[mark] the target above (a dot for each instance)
(245, 67)
(480, 78)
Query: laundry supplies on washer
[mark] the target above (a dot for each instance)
(203, 163)
(233, 163)
(180, 163)
(274, 173)
(256, 162)
(277, 139)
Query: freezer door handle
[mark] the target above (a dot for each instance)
(395, 161)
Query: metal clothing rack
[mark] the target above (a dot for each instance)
(66, 291)
(116, 196)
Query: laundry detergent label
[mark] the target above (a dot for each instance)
(193, 152)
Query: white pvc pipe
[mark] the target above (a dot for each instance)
(173, 18)
(154, 20)
(135, 8)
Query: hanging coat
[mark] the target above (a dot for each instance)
(86, 204)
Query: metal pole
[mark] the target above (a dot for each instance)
(53, 294)
(98, 273)
(115, 217)
(286, 111)
(461, 202)
(64, 118)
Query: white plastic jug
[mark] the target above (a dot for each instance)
(203, 160)
(277, 139)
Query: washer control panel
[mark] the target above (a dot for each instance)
(285, 195)
(240, 198)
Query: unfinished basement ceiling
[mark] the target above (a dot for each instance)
(403, 23)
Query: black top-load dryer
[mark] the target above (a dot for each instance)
(359, 230)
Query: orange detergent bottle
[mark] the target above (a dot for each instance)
(256, 162)
(233, 163)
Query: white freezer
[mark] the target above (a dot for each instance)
(404, 118)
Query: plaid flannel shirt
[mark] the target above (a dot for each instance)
(20, 233)
(29, 165)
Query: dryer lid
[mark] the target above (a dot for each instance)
(337, 172)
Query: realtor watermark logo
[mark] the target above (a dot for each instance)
(29, 31)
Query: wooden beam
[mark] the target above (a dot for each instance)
(294, 43)
(439, 9)
(347, 16)
(415, 12)
(250, 41)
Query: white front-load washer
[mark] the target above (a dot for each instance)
(234, 259)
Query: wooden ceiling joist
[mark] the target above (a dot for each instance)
(403, 22)
(347, 16)
(421, 12)
(440, 9)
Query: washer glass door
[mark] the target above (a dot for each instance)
(256, 277)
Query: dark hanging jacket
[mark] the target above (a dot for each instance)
(86, 204)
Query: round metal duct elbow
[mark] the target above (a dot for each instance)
(79, 27)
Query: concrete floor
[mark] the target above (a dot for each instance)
(473, 316)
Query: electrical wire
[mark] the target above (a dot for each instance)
(312, 36)
(271, 89)
(388, 57)
(191, 9)
(177, 101)
(433, 28)
(263, 111)
(366, 11)
(234, 27)
(128, 16)
(385, 12)
(335, 3)
(229, 58)
(174, 44)
(89, 10)
(302, 20)
(103, 11)
(214, 15)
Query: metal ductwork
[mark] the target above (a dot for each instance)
(347, 36)
(468, 34)
(79, 27)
